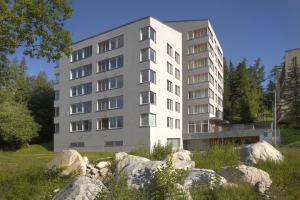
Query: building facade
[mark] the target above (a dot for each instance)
(139, 84)
(291, 59)
(202, 69)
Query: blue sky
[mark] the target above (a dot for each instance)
(245, 28)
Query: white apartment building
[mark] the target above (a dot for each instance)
(139, 84)
(202, 76)
(115, 93)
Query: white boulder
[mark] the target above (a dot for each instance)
(69, 161)
(253, 176)
(260, 151)
(81, 188)
(205, 176)
(103, 164)
(187, 165)
(182, 155)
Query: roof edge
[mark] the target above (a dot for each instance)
(292, 49)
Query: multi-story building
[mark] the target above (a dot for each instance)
(291, 59)
(202, 76)
(139, 84)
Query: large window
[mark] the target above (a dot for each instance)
(198, 109)
(177, 107)
(198, 94)
(169, 68)
(83, 107)
(81, 71)
(177, 90)
(198, 78)
(79, 126)
(197, 33)
(147, 97)
(198, 48)
(169, 104)
(82, 89)
(110, 103)
(148, 33)
(108, 123)
(111, 44)
(148, 119)
(169, 86)
(169, 122)
(148, 75)
(81, 54)
(169, 50)
(147, 54)
(198, 126)
(110, 84)
(110, 64)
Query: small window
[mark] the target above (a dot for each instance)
(169, 104)
(169, 86)
(177, 74)
(77, 144)
(177, 123)
(113, 143)
(56, 128)
(177, 57)
(56, 95)
(177, 107)
(56, 111)
(177, 90)
(169, 50)
(169, 122)
(169, 68)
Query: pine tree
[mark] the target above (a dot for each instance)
(292, 96)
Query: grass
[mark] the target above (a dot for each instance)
(22, 174)
(290, 135)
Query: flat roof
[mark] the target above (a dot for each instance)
(185, 20)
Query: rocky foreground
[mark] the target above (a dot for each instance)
(138, 172)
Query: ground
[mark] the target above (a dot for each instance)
(22, 174)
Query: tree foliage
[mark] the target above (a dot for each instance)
(17, 126)
(37, 26)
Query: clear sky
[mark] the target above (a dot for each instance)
(245, 28)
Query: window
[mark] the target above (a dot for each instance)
(110, 64)
(177, 74)
(110, 103)
(147, 54)
(200, 126)
(81, 71)
(200, 63)
(147, 97)
(211, 109)
(111, 44)
(177, 90)
(198, 94)
(169, 104)
(110, 123)
(198, 109)
(148, 119)
(113, 143)
(56, 128)
(198, 48)
(148, 33)
(220, 102)
(177, 107)
(169, 68)
(197, 33)
(169, 50)
(110, 84)
(81, 54)
(169, 122)
(148, 75)
(177, 123)
(220, 89)
(211, 94)
(56, 79)
(169, 86)
(80, 126)
(198, 78)
(76, 144)
(56, 95)
(83, 107)
(56, 111)
(211, 79)
(177, 57)
(82, 89)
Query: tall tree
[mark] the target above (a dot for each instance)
(292, 96)
(36, 26)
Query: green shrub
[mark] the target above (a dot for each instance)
(217, 156)
(160, 152)
(140, 151)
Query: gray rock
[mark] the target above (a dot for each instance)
(205, 176)
(81, 188)
(260, 151)
(247, 174)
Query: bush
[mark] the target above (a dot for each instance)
(160, 152)
(140, 151)
(217, 156)
(17, 127)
